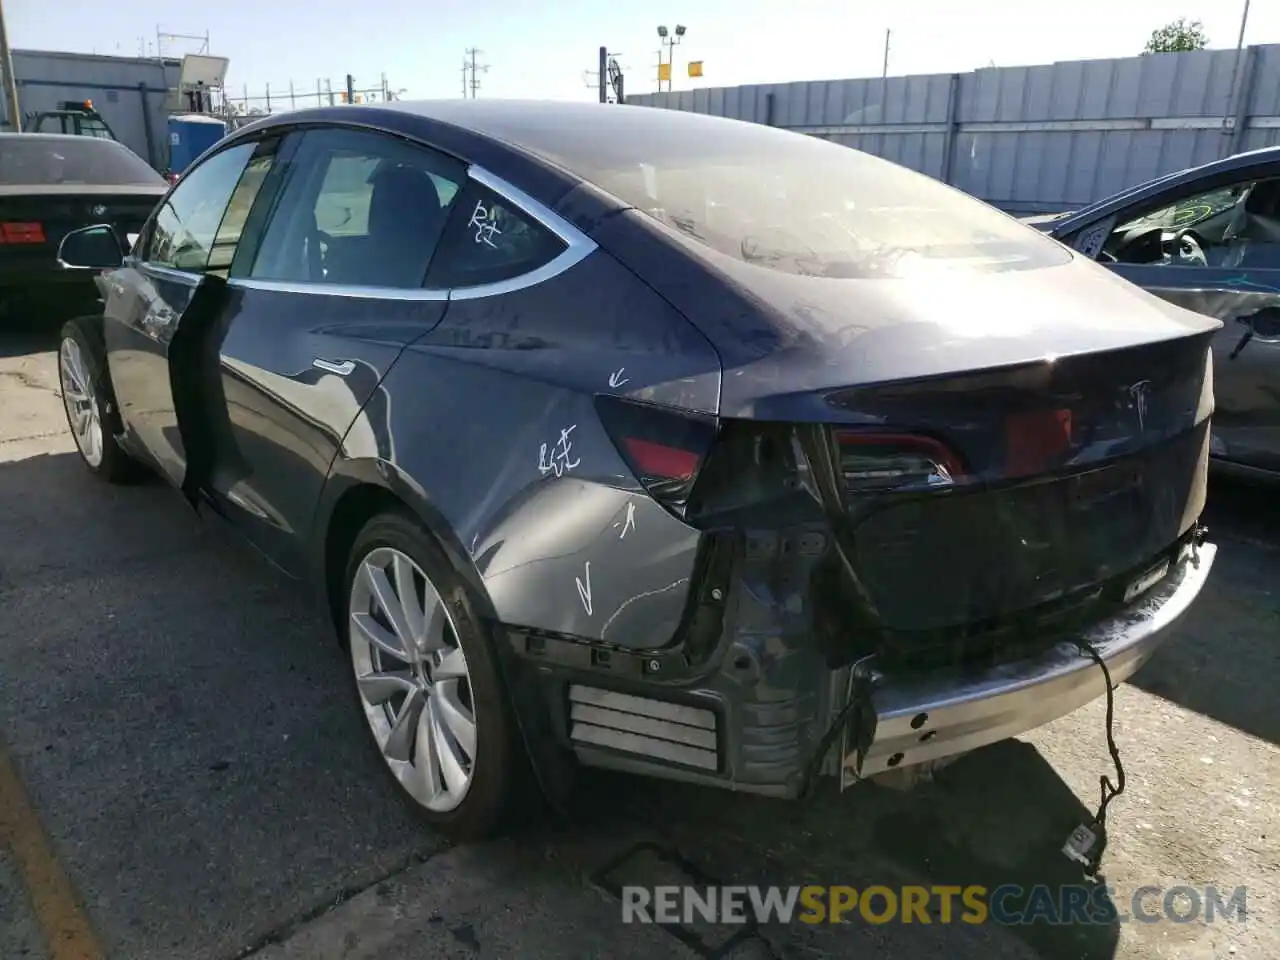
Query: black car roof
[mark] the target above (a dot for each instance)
(576, 136)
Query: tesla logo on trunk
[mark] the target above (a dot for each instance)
(1139, 394)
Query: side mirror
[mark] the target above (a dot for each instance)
(91, 248)
(1265, 324)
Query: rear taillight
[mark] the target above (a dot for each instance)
(21, 232)
(873, 461)
(664, 448)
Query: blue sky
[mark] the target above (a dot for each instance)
(419, 44)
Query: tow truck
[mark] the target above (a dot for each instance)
(76, 117)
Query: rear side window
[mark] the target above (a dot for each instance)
(185, 227)
(488, 241)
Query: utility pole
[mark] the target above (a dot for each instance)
(10, 82)
(1236, 91)
(476, 70)
(884, 73)
(603, 75)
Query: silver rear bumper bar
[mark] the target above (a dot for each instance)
(938, 716)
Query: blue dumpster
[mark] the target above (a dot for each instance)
(191, 135)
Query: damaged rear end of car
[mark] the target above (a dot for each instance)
(915, 577)
(954, 468)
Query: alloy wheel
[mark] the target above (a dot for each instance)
(81, 402)
(413, 679)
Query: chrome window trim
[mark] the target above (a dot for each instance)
(165, 273)
(339, 289)
(578, 246)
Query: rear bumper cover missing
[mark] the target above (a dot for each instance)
(934, 717)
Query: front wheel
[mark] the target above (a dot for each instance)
(88, 401)
(427, 681)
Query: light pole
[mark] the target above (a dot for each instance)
(1237, 91)
(669, 41)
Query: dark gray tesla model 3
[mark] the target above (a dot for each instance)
(635, 438)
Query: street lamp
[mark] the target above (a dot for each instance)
(669, 42)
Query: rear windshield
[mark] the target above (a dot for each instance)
(29, 159)
(806, 206)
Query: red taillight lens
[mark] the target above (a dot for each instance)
(22, 232)
(664, 448)
(1035, 441)
(876, 461)
(659, 460)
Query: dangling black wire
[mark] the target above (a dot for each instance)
(1109, 791)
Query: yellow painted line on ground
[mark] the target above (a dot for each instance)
(64, 924)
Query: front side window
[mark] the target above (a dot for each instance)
(185, 227)
(1231, 226)
(359, 209)
(233, 223)
(488, 241)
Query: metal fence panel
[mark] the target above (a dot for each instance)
(1032, 139)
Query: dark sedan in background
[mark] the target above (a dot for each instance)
(51, 184)
(657, 441)
(1208, 238)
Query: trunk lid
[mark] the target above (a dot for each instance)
(787, 340)
(835, 334)
(1020, 497)
(61, 209)
(1000, 454)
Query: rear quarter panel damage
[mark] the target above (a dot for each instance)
(491, 415)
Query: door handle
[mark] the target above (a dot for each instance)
(341, 367)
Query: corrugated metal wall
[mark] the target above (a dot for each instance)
(1030, 139)
(129, 92)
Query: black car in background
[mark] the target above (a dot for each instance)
(1208, 238)
(51, 184)
(643, 439)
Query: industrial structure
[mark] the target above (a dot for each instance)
(134, 95)
(1031, 139)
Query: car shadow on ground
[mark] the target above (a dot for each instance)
(22, 336)
(1223, 658)
(972, 826)
(200, 747)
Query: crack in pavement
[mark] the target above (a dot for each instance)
(278, 935)
(28, 380)
(45, 435)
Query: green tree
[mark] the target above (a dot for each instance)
(1178, 37)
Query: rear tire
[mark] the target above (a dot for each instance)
(89, 402)
(435, 706)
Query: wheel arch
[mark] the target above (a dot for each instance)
(355, 491)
